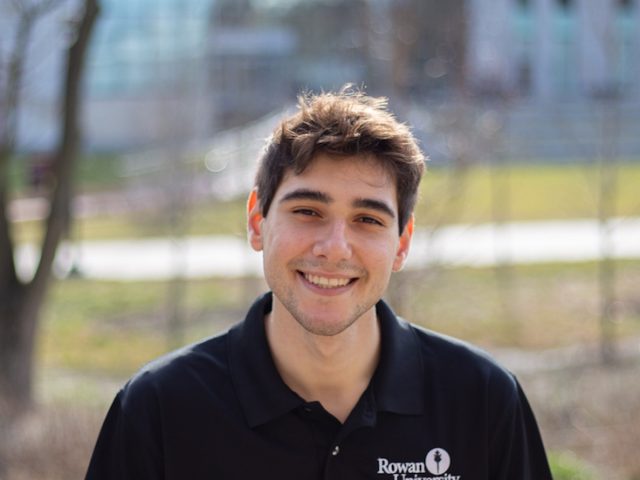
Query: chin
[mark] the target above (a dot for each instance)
(326, 325)
(324, 329)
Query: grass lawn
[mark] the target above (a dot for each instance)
(116, 327)
(480, 194)
(523, 192)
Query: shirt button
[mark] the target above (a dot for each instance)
(335, 451)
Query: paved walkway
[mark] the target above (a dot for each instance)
(456, 245)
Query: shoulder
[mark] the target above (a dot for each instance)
(177, 371)
(461, 365)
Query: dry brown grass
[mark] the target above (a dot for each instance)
(51, 443)
(593, 411)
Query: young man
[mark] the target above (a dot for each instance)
(321, 380)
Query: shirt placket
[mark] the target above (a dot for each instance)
(337, 460)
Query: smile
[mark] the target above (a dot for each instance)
(325, 282)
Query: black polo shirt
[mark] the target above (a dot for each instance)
(435, 408)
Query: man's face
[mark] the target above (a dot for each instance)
(330, 242)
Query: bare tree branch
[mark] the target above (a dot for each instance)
(62, 168)
(8, 130)
(20, 302)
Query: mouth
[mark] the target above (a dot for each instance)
(326, 282)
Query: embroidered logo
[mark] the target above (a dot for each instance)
(435, 467)
(437, 461)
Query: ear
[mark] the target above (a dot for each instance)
(403, 245)
(254, 221)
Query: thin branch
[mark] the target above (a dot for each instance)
(9, 106)
(8, 130)
(59, 213)
(11, 97)
(27, 17)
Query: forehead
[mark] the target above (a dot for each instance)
(361, 172)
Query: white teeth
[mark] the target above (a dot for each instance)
(324, 282)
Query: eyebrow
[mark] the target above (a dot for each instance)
(317, 196)
(372, 204)
(306, 194)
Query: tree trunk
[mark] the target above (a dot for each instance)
(17, 333)
(21, 302)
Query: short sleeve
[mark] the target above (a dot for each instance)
(129, 444)
(516, 447)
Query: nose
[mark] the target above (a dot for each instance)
(333, 243)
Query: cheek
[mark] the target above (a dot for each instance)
(283, 242)
(380, 255)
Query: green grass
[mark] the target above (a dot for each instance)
(116, 327)
(523, 192)
(533, 192)
(211, 218)
(93, 171)
(528, 306)
(566, 466)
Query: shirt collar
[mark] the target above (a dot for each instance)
(261, 391)
(398, 382)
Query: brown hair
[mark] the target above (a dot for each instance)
(340, 124)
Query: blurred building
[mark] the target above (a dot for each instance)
(147, 74)
(566, 71)
(168, 71)
(260, 57)
(249, 64)
(42, 71)
(554, 48)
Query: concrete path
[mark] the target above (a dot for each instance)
(456, 245)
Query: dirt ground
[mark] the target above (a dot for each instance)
(591, 409)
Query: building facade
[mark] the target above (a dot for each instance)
(550, 49)
(175, 70)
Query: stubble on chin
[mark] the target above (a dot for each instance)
(319, 323)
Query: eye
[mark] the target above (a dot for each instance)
(306, 212)
(370, 220)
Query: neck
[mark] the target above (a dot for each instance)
(334, 370)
